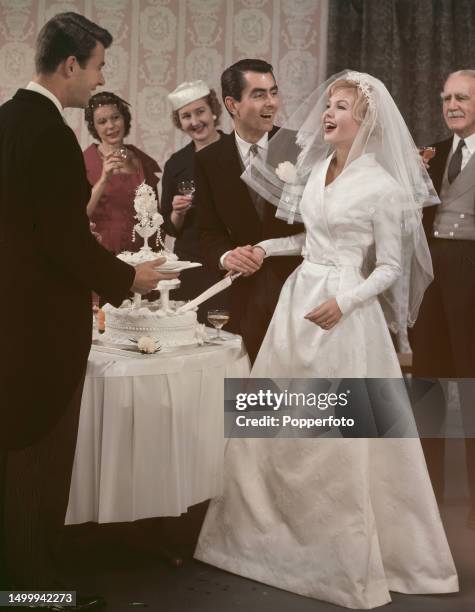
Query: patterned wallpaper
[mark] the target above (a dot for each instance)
(160, 43)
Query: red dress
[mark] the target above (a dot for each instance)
(114, 213)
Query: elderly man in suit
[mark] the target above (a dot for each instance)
(231, 217)
(443, 339)
(50, 263)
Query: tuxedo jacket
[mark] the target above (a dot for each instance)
(49, 264)
(227, 218)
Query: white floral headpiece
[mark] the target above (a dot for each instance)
(363, 84)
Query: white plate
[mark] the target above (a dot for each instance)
(178, 266)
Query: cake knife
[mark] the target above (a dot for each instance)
(213, 290)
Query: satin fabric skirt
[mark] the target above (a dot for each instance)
(341, 520)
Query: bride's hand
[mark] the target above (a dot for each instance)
(326, 315)
(259, 254)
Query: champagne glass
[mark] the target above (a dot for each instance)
(186, 187)
(427, 153)
(122, 152)
(218, 318)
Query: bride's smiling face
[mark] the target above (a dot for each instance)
(339, 125)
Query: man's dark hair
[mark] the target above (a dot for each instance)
(64, 35)
(233, 80)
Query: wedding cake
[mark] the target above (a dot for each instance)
(157, 319)
(168, 327)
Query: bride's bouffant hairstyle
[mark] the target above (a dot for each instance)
(361, 103)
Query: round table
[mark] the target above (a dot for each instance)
(150, 440)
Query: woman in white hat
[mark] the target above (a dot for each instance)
(196, 111)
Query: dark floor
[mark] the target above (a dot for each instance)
(120, 563)
(126, 563)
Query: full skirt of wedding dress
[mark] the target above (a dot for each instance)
(341, 520)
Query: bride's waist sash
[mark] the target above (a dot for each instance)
(346, 274)
(326, 263)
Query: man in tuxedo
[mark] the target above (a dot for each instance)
(50, 262)
(231, 217)
(443, 339)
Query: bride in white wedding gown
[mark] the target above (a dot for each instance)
(342, 520)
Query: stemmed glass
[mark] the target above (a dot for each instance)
(427, 153)
(218, 318)
(186, 187)
(122, 152)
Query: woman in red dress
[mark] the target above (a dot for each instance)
(114, 171)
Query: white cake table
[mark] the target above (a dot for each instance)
(150, 440)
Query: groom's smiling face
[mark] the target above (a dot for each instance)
(255, 112)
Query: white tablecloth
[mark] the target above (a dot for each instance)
(150, 440)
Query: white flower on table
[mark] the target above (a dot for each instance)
(287, 172)
(201, 334)
(146, 344)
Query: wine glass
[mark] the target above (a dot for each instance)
(218, 318)
(427, 153)
(186, 187)
(122, 152)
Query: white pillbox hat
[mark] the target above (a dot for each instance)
(187, 92)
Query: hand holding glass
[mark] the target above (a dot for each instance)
(187, 188)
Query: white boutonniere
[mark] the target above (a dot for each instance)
(287, 172)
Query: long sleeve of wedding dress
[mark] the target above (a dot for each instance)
(387, 240)
(291, 245)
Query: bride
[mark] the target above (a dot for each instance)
(343, 520)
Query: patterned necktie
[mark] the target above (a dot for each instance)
(256, 198)
(455, 165)
(253, 151)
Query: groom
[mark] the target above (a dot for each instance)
(231, 217)
(50, 263)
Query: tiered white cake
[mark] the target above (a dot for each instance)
(158, 319)
(168, 327)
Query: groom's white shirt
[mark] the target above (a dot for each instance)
(244, 147)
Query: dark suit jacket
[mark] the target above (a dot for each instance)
(436, 172)
(180, 167)
(49, 263)
(227, 218)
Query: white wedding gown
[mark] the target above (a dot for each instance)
(342, 520)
